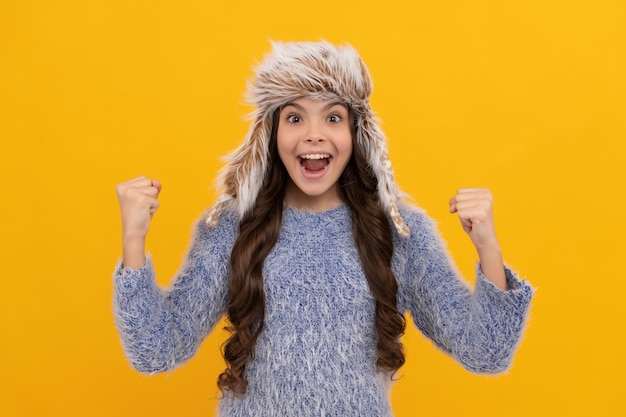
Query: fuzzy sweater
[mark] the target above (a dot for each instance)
(317, 353)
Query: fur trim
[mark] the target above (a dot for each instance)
(315, 70)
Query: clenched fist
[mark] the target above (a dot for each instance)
(474, 207)
(138, 203)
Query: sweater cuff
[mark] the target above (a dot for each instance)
(518, 295)
(127, 281)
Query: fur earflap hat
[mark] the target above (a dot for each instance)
(317, 70)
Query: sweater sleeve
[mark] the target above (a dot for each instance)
(480, 328)
(162, 328)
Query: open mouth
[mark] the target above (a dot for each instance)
(315, 162)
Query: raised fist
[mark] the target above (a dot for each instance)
(138, 203)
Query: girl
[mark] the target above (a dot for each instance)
(314, 258)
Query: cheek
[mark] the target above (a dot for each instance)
(346, 145)
(286, 152)
(349, 147)
(281, 143)
(283, 155)
(286, 136)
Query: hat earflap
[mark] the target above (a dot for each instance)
(372, 140)
(244, 172)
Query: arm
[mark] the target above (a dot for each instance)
(161, 328)
(481, 328)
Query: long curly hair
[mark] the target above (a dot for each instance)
(258, 232)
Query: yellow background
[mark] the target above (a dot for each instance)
(527, 98)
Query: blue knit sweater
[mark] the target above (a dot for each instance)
(317, 353)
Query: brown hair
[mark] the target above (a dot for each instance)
(258, 233)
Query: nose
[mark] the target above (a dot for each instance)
(314, 133)
(312, 139)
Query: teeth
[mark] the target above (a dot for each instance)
(316, 156)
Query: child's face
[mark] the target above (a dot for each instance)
(315, 145)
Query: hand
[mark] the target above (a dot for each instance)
(138, 203)
(474, 207)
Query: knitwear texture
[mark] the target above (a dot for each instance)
(317, 353)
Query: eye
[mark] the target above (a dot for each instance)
(334, 118)
(293, 118)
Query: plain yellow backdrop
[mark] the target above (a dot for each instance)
(526, 98)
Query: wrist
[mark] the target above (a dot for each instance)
(492, 266)
(489, 251)
(488, 247)
(133, 252)
(133, 238)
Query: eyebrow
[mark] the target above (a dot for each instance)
(326, 107)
